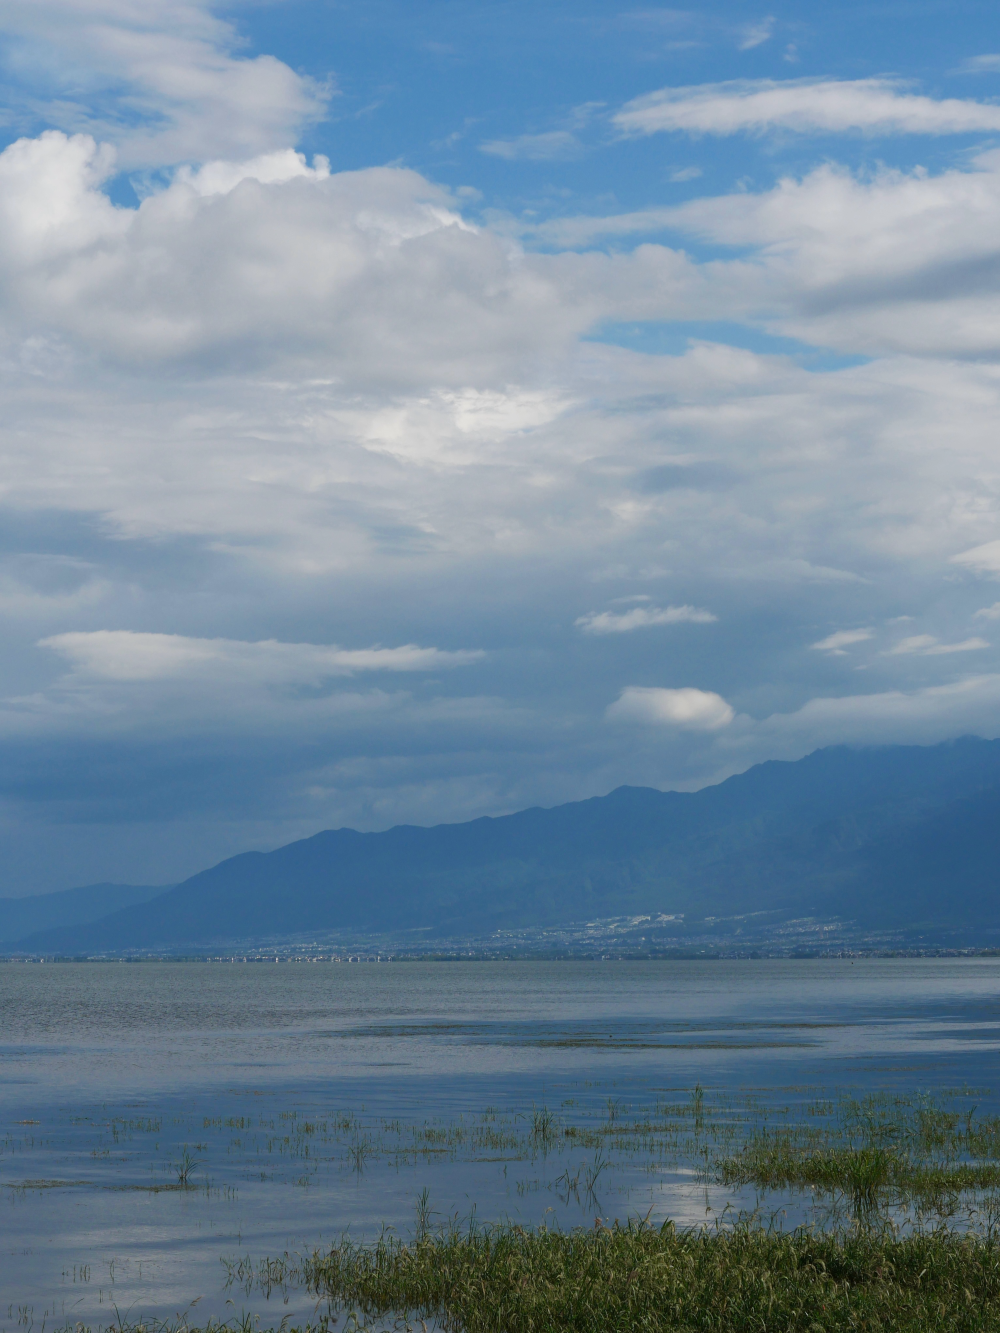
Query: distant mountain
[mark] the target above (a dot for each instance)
(69, 907)
(904, 837)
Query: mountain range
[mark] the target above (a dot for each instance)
(899, 841)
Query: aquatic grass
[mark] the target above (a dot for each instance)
(878, 1152)
(515, 1280)
(184, 1167)
(543, 1124)
(359, 1151)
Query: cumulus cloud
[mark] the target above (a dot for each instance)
(220, 176)
(829, 106)
(989, 612)
(841, 639)
(269, 254)
(164, 82)
(369, 277)
(696, 710)
(642, 617)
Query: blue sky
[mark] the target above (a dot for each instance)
(419, 411)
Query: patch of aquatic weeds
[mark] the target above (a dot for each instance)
(883, 1152)
(514, 1280)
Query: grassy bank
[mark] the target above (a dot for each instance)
(510, 1280)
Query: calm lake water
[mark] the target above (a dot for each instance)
(158, 1118)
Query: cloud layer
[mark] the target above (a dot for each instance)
(124, 655)
(669, 490)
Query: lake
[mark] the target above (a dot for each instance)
(166, 1125)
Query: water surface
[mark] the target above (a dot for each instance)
(307, 1099)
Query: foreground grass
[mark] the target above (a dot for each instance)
(511, 1280)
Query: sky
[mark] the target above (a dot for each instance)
(418, 411)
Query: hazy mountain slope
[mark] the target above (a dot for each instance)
(945, 868)
(874, 834)
(69, 907)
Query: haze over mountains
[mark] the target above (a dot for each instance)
(70, 907)
(894, 839)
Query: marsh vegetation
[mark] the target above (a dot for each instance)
(902, 1232)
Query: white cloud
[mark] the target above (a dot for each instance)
(683, 174)
(264, 260)
(219, 177)
(895, 262)
(756, 34)
(841, 639)
(642, 617)
(127, 655)
(806, 106)
(984, 64)
(883, 264)
(164, 82)
(555, 145)
(983, 559)
(150, 690)
(915, 643)
(23, 597)
(284, 404)
(695, 710)
(276, 400)
(928, 646)
(965, 646)
(989, 612)
(891, 717)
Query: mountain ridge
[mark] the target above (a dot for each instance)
(873, 835)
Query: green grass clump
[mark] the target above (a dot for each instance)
(863, 1174)
(874, 1152)
(512, 1280)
